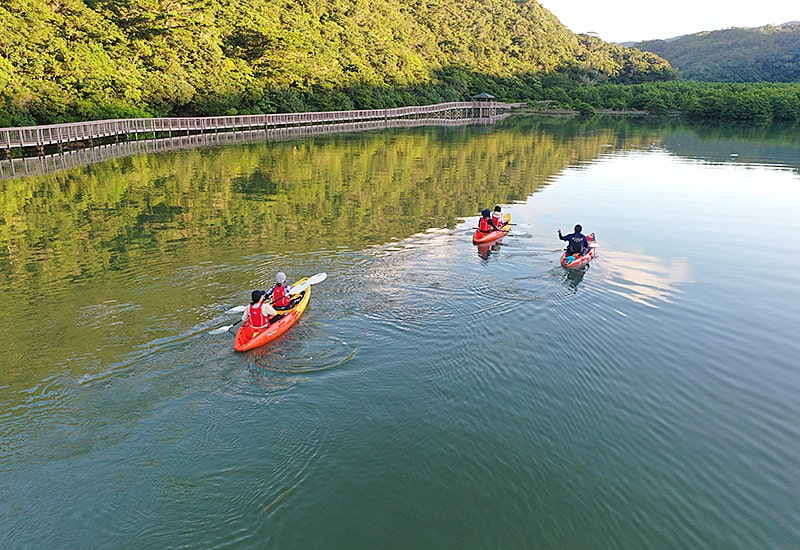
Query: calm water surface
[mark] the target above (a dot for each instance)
(435, 395)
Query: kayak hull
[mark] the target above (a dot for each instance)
(483, 237)
(248, 338)
(575, 262)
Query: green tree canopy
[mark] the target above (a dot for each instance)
(74, 60)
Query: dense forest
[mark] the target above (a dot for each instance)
(68, 60)
(763, 54)
(760, 103)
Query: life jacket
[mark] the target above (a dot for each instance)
(484, 225)
(280, 298)
(575, 243)
(497, 218)
(257, 317)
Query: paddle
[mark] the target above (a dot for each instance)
(493, 230)
(226, 328)
(297, 289)
(314, 279)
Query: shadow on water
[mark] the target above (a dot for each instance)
(574, 277)
(487, 249)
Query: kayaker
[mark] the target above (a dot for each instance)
(280, 292)
(577, 243)
(258, 313)
(486, 224)
(497, 217)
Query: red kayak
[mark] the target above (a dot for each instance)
(579, 260)
(248, 338)
(481, 237)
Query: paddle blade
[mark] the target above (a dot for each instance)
(297, 289)
(236, 309)
(318, 278)
(226, 328)
(220, 330)
(314, 279)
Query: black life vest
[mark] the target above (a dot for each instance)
(575, 244)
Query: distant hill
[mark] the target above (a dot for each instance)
(90, 59)
(762, 54)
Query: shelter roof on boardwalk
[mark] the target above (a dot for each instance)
(482, 95)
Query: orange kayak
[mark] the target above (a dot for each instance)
(480, 237)
(248, 338)
(580, 260)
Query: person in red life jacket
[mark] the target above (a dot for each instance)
(280, 292)
(497, 217)
(485, 224)
(257, 314)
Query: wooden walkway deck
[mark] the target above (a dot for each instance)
(41, 140)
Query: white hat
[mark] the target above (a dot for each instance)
(281, 277)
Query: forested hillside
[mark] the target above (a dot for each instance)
(67, 60)
(763, 54)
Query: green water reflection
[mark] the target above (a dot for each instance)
(87, 247)
(318, 193)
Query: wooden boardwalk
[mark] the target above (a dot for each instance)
(41, 140)
(76, 157)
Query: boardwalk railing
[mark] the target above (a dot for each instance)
(39, 139)
(73, 158)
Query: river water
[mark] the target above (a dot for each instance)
(435, 394)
